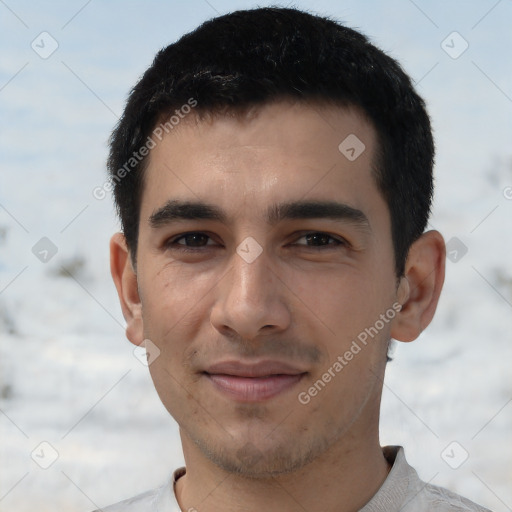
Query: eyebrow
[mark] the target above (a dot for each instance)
(174, 210)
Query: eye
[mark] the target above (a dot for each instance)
(319, 239)
(190, 240)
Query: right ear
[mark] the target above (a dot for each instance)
(125, 279)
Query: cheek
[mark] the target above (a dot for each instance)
(174, 310)
(342, 305)
(335, 296)
(172, 389)
(173, 300)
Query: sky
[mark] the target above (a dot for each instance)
(65, 73)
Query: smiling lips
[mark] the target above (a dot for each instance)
(253, 382)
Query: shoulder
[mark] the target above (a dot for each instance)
(432, 497)
(161, 499)
(424, 497)
(403, 490)
(140, 503)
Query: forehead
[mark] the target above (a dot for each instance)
(278, 153)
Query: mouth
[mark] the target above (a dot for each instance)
(257, 382)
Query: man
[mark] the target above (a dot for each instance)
(273, 175)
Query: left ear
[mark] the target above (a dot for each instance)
(421, 286)
(125, 279)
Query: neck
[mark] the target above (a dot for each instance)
(343, 479)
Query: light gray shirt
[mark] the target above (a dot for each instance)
(402, 491)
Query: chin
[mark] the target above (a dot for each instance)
(261, 460)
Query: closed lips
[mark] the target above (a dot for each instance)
(260, 369)
(253, 382)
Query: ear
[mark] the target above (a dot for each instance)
(125, 279)
(420, 287)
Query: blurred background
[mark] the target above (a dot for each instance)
(80, 423)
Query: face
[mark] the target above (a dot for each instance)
(265, 272)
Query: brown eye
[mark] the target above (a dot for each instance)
(193, 240)
(319, 239)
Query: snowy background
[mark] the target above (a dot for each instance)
(69, 378)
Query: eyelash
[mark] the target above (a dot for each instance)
(173, 242)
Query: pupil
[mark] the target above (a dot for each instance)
(317, 239)
(195, 239)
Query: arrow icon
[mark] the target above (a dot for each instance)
(44, 45)
(455, 249)
(44, 455)
(249, 249)
(351, 147)
(454, 45)
(44, 250)
(455, 455)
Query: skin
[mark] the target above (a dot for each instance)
(295, 302)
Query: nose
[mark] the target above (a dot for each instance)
(250, 301)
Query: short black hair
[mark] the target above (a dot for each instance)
(252, 57)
